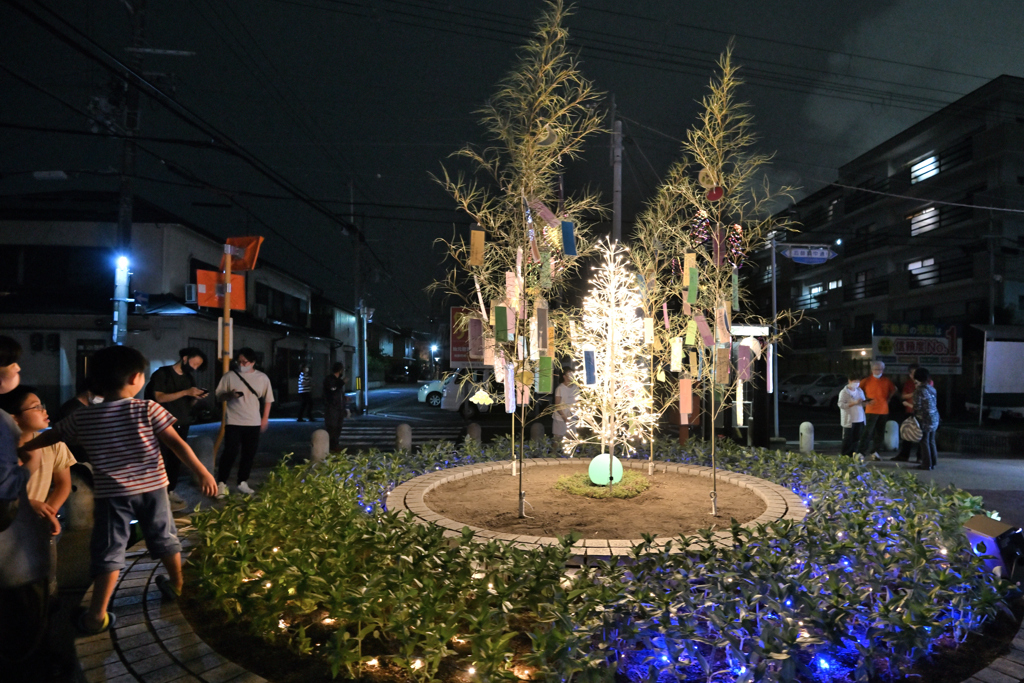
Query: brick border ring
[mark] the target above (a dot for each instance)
(409, 497)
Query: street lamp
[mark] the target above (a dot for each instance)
(433, 359)
(121, 300)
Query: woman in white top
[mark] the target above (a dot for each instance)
(851, 413)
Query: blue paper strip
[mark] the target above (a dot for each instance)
(569, 238)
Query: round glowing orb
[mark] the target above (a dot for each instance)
(599, 470)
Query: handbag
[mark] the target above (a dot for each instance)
(910, 430)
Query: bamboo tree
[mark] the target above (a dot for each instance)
(535, 123)
(714, 205)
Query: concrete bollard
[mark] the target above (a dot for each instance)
(537, 432)
(80, 502)
(473, 432)
(806, 437)
(202, 446)
(319, 445)
(892, 435)
(403, 437)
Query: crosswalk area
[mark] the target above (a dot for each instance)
(381, 435)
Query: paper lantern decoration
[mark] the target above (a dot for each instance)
(706, 179)
(715, 193)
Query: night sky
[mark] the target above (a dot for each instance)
(362, 99)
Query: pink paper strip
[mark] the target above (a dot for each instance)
(685, 397)
(544, 213)
(743, 363)
(664, 312)
(705, 331)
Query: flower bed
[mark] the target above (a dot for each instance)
(878, 575)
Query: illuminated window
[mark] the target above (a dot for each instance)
(816, 289)
(924, 169)
(916, 267)
(924, 221)
(835, 284)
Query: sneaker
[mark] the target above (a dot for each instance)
(243, 487)
(177, 507)
(222, 489)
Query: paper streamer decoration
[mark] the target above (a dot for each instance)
(717, 238)
(743, 363)
(686, 308)
(705, 331)
(694, 364)
(691, 333)
(771, 352)
(572, 331)
(685, 397)
(511, 289)
(510, 388)
(589, 368)
(534, 250)
(501, 326)
(722, 323)
(664, 314)
(544, 375)
(661, 374)
(476, 245)
(738, 413)
(543, 212)
(648, 331)
(694, 287)
(519, 262)
(489, 351)
(522, 393)
(545, 269)
(499, 365)
(676, 356)
(541, 316)
(723, 355)
(689, 263)
(568, 238)
(735, 289)
(476, 339)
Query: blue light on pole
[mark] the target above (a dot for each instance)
(122, 263)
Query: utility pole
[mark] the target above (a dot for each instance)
(774, 367)
(137, 16)
(616, 176)
(358, 372)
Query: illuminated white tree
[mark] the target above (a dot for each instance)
(614, 403)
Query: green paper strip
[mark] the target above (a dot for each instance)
(691, 333)
(500, 324)
(691, 294)
(544, 374)
(735, 290)
(545, 269)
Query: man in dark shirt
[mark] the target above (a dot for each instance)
(334, 405)
(174, 387)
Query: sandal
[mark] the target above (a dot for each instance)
(167, 589)
(108, 623)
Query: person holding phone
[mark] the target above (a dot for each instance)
(174, 388)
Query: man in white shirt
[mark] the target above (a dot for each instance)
(563, 421)
(245, 389)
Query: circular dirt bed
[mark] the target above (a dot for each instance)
(675, 504)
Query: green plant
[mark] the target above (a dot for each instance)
(632, 485)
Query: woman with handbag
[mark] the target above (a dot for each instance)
(926, 410)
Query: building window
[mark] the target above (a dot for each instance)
(767, 277)
(924, 169)
(816, 289)
(835, 284)
(924, 221)
(923, 273)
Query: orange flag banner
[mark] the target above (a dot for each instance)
(209, 281)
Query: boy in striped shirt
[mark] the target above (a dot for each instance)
(122, 436)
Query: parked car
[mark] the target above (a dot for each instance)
(431, 393)
(824, 392)
(791, 388)
(462, 384)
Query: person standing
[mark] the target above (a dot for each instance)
(851, 413)
(50, 486)
(907, 394)
(174, 388)
(563, 421)
(248, 394)
(305, 394)
(24, 537)
(926, 410)
(879, 390)
(335, 405)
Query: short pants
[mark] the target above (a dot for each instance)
(112, 528)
